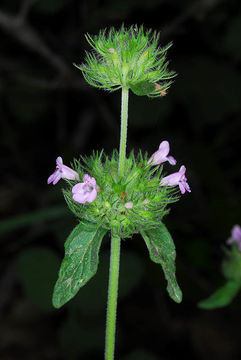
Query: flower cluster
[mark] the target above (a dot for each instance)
(128, 58)
(136, 201)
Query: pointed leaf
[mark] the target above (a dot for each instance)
(222, 297)
(80, 262)
(162, 251)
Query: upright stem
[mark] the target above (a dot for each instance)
(123, 135)
(112, 297)
(115, 242)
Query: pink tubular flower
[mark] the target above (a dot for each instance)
(235, 236)
(86, 191)
(177, 178)
(160, 155)
(62, 171)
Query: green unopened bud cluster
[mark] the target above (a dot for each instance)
(134, 203)
(129, 58)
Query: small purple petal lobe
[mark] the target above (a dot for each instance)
(164, 147)
(86, 191)
(236, 232)
(171, 160)
(59, 161)
(235, 236)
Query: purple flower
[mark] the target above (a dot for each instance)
(160, 155)
(235, 236)
(86, 191)
(177, 178)
(62, 171)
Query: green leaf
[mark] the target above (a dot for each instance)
(222, 297)
(143, 88)
(80, 262)
(162, 251)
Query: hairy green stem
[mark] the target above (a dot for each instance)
(112, 297)
(115, 242)
(123, 135)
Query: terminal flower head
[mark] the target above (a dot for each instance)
(177, 178)
(86, 191)
(160, 155)
(62, 172)
(235, 236)
(128, 57)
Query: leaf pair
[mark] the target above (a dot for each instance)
(82, 256)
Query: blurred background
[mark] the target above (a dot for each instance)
(47, 110)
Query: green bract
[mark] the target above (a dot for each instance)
(129, 58)
(139, 186)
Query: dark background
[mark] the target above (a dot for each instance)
(47, 110)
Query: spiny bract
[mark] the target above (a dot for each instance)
(128, 205)
(128, 58)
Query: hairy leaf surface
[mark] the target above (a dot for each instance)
(162, 251)
(80, 262)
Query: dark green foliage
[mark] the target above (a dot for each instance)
(162, 251)
(231, 268)
(222, 297)
(231, 265)
(80, 262)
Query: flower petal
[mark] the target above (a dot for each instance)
(78, 188)
(171, 180)
(236, 232)
(70, 174)
(92, 195)
(50, 178)
(164, 148)
(89, 180)
(182, 170)
(57, 177)
(59, 162)
(182, 188)
(80, 197)
(171, 160)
